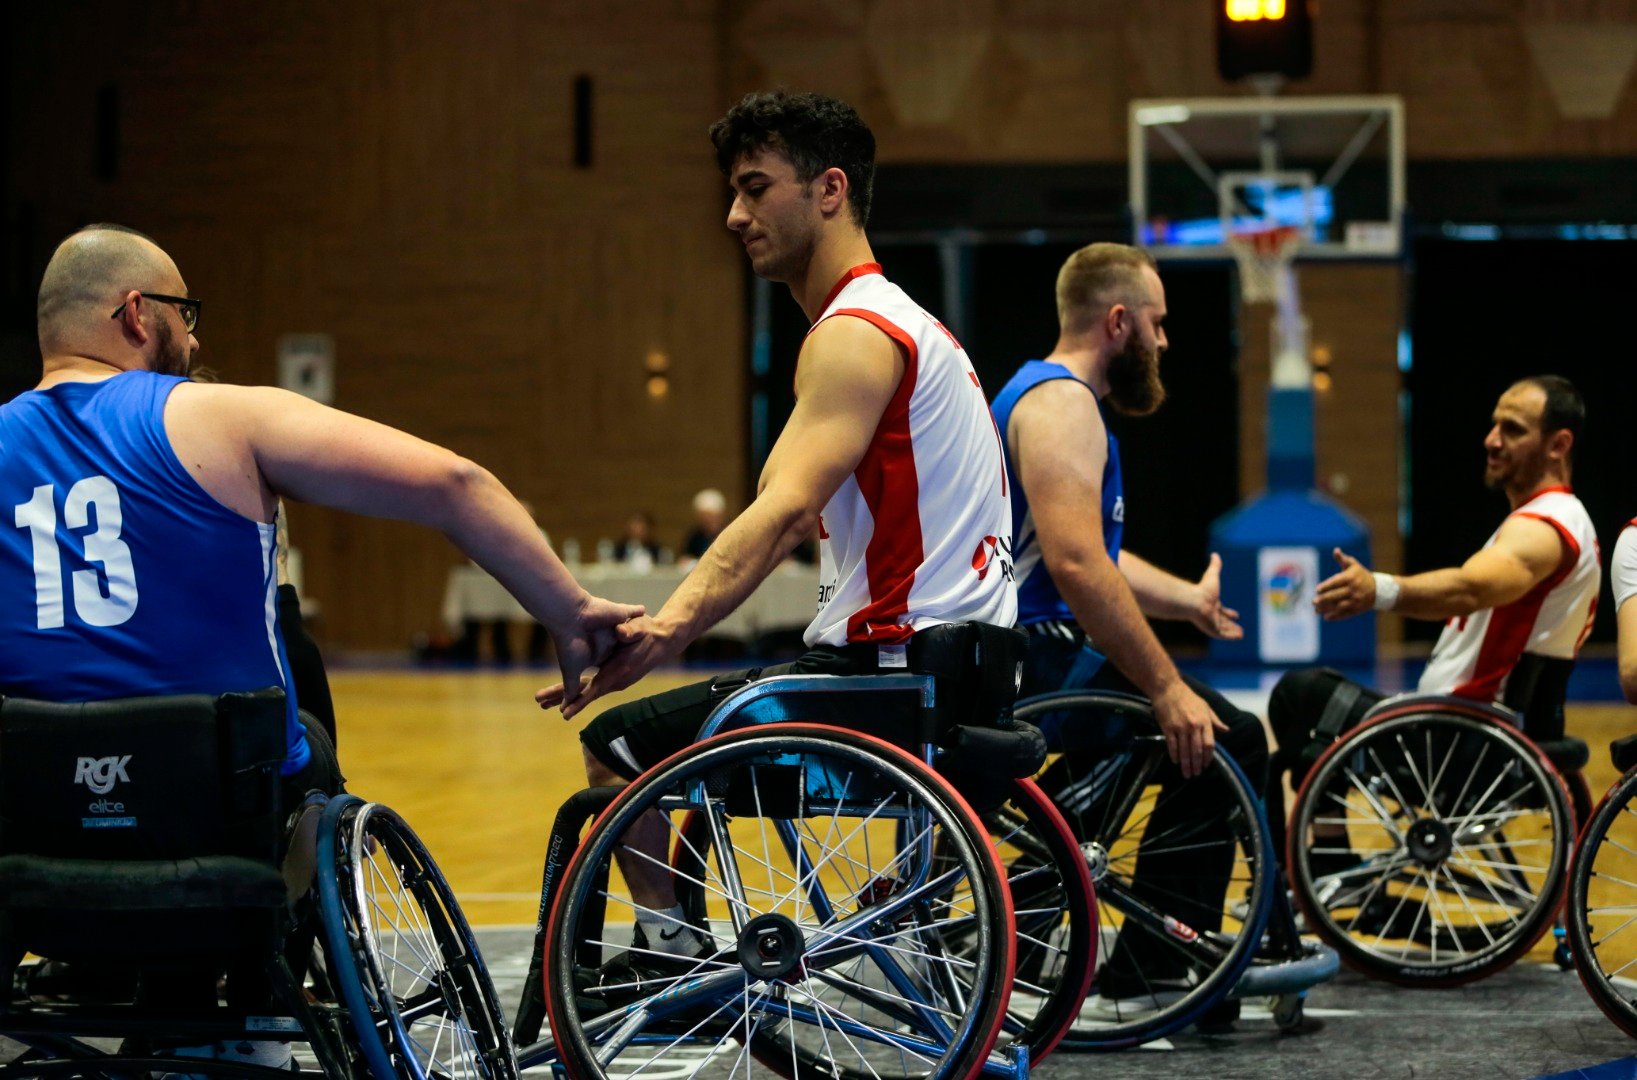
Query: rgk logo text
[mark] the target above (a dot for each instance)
(101, 774)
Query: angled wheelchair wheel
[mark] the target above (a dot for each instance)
(1055, 907)
(420, 1000)
(1429, 847)
(1183, 870)
(1602, 908)
(853, 919)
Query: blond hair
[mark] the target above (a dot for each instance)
(1097, 277)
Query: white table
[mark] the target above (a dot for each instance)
(785, 601)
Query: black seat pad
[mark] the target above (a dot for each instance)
(42, 883)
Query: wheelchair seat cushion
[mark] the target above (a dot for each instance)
(1566, 754)
(983, 761)
(42, 883)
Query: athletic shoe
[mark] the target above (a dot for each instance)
(639, 972)
(1108, 1008)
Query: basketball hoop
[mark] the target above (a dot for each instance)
(1263, 256)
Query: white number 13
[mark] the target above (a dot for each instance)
(39, 517)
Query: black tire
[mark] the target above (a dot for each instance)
(1462, 830)
(1108, 797)
(868, 910)
(1602, 903)
(402, 955)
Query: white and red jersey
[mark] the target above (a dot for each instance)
(1475, 654)
(921, 532)
(1623, 565)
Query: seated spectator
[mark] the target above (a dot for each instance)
(636, 549)
(710, 514)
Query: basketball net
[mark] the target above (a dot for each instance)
(1264, 257)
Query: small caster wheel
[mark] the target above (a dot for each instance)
(1560, 953)
(1287, 1011)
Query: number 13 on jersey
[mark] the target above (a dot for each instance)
(102, 545)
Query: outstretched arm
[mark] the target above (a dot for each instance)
(1063, 476)
(846, 376)
(1525, 553)
(316, 454)
(1163, 595)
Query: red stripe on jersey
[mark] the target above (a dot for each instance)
(892, 490)
(1508, 631)
(856, 272)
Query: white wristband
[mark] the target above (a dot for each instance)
(1386, 592)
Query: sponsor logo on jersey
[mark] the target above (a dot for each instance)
(1119, 508)
(101, 774)
(992, 552)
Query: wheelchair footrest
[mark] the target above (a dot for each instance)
(1317, 964)
(42, 883)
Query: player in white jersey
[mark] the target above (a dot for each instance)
(1527, 597)
(890, 454)
(1623, 579)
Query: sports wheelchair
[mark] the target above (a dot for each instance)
(1459, 820)
(1173, 950)
(144, 847)
(862, 918)
(1602, 906)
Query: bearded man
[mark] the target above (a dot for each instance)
(1082, 597)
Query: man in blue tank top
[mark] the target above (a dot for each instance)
(141, 560)
(1083, 597)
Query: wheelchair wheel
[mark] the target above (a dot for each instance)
(1602, 909)
(1053, 903)
(1183, 896)
(837, 882)
(1055, 907)
(401, 954)
(1429, 848)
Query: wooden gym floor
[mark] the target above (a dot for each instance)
(479, 771)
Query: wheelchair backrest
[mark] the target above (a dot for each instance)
(142, 778)
(1536, 691)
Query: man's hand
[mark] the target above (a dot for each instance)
(1351, 592)
(1208, 613)
(589, 637)
(640, 646)
(1189, 727)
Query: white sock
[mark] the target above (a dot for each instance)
(668, 932)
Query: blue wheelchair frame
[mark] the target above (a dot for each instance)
(768, 701)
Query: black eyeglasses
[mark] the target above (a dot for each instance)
(186, 306)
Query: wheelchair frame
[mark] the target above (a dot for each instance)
(369, 1034)
(763, 711)
(1265, 959)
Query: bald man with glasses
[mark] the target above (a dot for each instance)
(143, 555)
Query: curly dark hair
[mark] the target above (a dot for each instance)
(813, 132)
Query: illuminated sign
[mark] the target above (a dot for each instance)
(1252, 10)
(1264, 37)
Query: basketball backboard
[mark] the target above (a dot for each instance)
(1205, 168)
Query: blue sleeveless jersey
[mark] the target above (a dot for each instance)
(1037, 597)
(119, 575)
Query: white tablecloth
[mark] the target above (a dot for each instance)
(785, 601)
